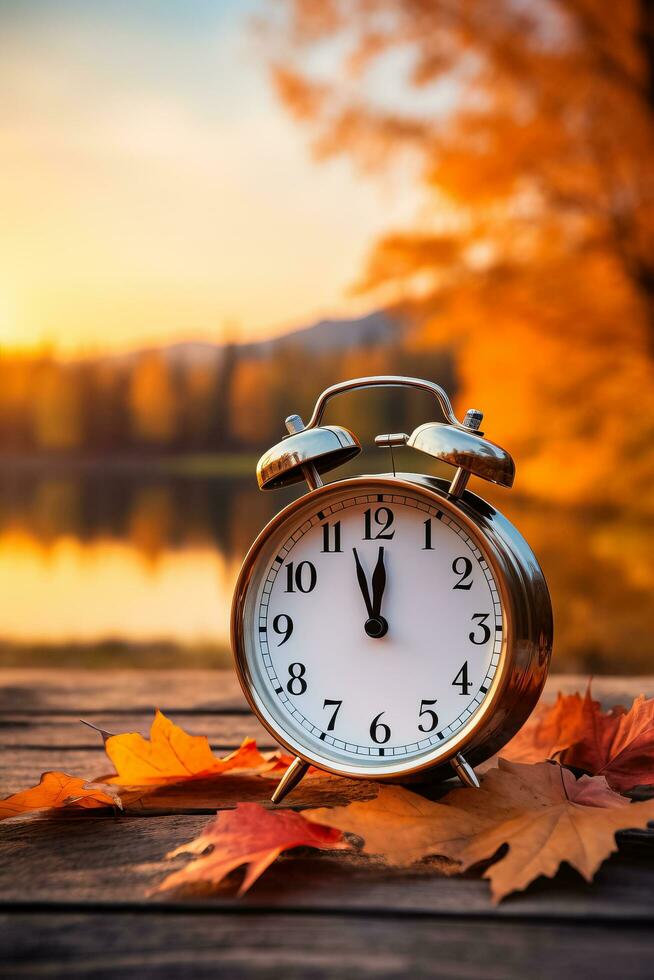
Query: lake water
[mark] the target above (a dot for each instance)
(99, 555)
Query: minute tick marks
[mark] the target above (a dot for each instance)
(342, 572)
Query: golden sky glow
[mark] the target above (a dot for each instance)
(153, 189)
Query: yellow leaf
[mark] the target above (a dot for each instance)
(171, 755)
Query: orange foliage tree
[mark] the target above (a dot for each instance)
(154, 399)
(532, 125)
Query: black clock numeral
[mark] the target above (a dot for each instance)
(330, 704)
(480, 618)
(379, 731)
(426, 710)
(384, 518)
(329, 538)
(428, 546)
(461, 680)
(303, 578)
(283, 624)
(462, 566)
(297, 684)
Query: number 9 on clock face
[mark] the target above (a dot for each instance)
(371, 626)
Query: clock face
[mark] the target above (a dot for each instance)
(373, 626)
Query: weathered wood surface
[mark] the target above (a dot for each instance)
(101, 943)
(123, 860)
(74, 889)
(38, 731)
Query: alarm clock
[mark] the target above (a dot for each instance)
(391, 626)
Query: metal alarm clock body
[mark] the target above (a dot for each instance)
(395, 626)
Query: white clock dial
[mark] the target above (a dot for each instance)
(375, 626)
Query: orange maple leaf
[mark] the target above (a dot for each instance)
(249, 835)
(540, 811)
(55, 790)
(171, 755)
(551, 728)
(618, 744)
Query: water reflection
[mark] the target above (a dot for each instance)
(73, 592)
(101, 554)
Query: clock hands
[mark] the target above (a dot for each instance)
(375, 626)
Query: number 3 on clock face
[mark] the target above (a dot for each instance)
(373, 627)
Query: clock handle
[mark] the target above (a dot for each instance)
(311, 450)
(385, 380)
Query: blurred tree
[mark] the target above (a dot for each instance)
(294, 380)
(250, 414)
(154, 399)
(199, 383)
(103, 392)
(16, 387)
(55, 407)
(533, 126)
(220, 435)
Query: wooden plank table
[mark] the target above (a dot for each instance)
(73, 890)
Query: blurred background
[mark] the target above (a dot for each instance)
(212, 211)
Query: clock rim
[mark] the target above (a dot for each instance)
(476, 737)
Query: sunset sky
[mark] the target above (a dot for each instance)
(154, 189)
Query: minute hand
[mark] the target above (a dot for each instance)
(378, 584)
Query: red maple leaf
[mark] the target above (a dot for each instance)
(617, 744)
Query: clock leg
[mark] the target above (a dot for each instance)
(290, 779)
(464, 771)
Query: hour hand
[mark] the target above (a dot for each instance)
(363, 583)
(375, 626)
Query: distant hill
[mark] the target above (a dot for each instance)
(326, 336)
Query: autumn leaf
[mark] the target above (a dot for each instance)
(554, 819)
(56, 790)
(171, 755)
(618, 745)
(249, 835)
(399, 825)
(551, 728)
(541, 812)
(276, 763)
(169, 758)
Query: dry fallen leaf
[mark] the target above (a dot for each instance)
(248, 835)
(540, 811)
(171, 755)
(399, 825)
(170, 758)
(56, 790)
(554, 819)
(551, 728)
(617, 744)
